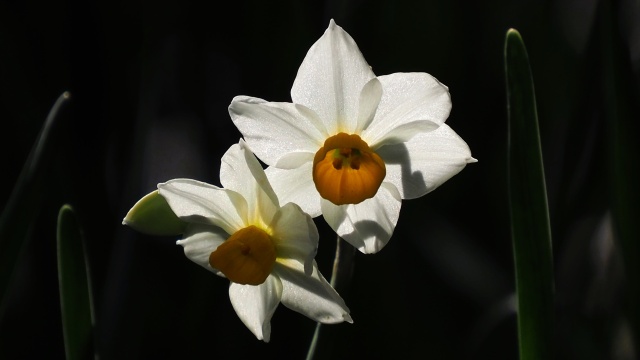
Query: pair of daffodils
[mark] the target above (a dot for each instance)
(351, 146)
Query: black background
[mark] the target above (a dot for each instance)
(150, 85)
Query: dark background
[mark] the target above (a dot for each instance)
(150, 85)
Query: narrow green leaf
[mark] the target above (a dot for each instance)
(530, 229)
(27, 196)
(152, 215)
(75, 287)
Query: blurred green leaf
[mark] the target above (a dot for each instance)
(75, 287)
(152, 215)
(530, 228)
(27, 196)
(621, 115)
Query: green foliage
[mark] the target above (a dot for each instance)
(622, 114)
(27, 196)
(530, 226)
(75, 287)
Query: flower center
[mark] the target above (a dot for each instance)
(346, 170)
(247, 257)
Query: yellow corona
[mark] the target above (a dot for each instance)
(346, 170)
(247, 257)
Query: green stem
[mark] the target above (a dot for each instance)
(340, 279)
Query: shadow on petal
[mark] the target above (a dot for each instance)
(412, 182)
(368, 236)
(310, 295)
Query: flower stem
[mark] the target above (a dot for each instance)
(340, 279)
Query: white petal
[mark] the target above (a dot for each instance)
(369, 100)
(425, 162)
(296, 186)
(241, 172)
(368, 225)
(407, 97)
(330, 80)
(295, 235)
(195, 201)
(255, 305)
(405, 132)
(294, 160)
(312, 295)
(200, 241)
(273, 130)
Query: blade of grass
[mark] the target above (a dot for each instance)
(75, 287)
(530, 228)
(26, 197)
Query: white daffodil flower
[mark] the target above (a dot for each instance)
(352, 145)
(267, 251)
